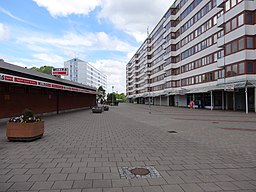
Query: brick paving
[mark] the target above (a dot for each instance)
(83, 152)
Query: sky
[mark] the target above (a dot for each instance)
(105, 33)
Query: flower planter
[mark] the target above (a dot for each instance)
(106, 108)
(97, 109)
(24, 131)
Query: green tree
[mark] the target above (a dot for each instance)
(109, 97)
(102, 92)
(43, 69)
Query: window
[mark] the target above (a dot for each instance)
(241, 44)
(249, 18)
(228, 27)
(227, 5)
(234, 25)
(228, 49)
(240, 19)
(228, 71)
(233, 3)
(250, 67)
(216, 75)
(241, 68)
(249, 42)
(234, 46)
(234, 69)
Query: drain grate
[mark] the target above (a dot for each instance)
(215, 122)
(172, 132)
(138, 172)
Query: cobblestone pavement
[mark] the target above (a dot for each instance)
(82, 151)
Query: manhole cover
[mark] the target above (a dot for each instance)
(172, 132)
(140, 171)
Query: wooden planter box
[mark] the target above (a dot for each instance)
(106, 108)
(24, 131)
(97, 109)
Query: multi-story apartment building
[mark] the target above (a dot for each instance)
(201, 50)
(82, 72)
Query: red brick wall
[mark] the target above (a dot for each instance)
(15, 98)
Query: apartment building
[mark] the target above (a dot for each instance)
(82, 72)
(201, 50)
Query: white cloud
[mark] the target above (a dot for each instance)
(133, 16)
(76, 42)
(115, 71)
(4, 32)
(55, 60)
(68, 7)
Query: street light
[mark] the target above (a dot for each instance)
(112, 95)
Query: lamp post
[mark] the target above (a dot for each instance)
(112, 95)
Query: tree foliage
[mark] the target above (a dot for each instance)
(116, 97)
(102, 92)
(43, 69)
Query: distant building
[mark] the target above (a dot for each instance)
(82, 72)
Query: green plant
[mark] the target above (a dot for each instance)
(26, 117)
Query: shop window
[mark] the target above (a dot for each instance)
(250, 67)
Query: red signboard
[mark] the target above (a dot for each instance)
(59, 71)
(20, 80)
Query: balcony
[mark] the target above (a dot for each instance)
(220, 3)
(221, 63)
(221, 21)
(221, 42)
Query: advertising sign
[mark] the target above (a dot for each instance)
(59, 71)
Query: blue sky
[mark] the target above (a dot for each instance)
(106, 33)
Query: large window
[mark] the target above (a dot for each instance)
(250, 67)
(250, 42)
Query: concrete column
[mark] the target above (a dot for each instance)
(168, 100)
(246, 100)
(234, 101)
(222, 100)
(255, 99)
(211, 100)
(160, 100)
(194, 97)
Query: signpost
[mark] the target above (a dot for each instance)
(59, 71)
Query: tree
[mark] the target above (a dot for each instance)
(43, 69)
(102, 92)
(111, 96)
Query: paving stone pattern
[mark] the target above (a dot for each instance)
(86, 152)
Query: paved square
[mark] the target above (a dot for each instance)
(82, 151)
